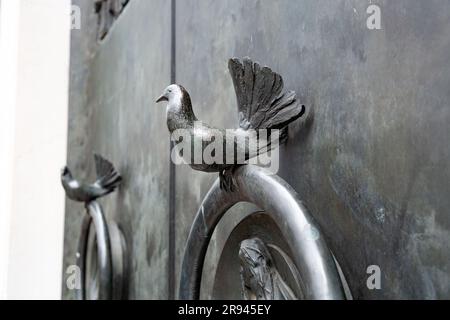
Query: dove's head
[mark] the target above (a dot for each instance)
(172, 94)
(66, 174)
(179, 107)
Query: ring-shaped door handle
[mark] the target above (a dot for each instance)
(272, 194)
(109, 252)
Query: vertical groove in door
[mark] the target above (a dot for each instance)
(172, 238)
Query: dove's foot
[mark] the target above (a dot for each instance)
(227, 181)
(226, 178)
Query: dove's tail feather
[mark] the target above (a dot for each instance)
(107, 176)
(262, 104)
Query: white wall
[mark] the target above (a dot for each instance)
(9, 25)
(34, 60)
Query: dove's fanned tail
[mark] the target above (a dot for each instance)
(107, 176)
(262, 104)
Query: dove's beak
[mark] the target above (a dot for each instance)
(162, 98)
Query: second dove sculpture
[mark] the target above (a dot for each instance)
(108, 179)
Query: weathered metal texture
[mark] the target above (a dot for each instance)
(255, 185)
(373, 164)
(112, 112)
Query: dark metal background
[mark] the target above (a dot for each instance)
(371, 164)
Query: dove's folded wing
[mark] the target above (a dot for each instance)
(107, 176)
(250, 143)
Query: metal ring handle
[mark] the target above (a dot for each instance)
(104, 257)
(273, 195)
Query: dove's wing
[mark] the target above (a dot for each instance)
(231, 146)
(261, 102)
(107, 176)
